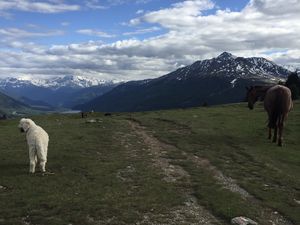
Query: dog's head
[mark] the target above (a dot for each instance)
(25, 124)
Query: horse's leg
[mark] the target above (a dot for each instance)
(280, 137)
(275, 134)
(270, 133)
(281, 124)
(269, 126)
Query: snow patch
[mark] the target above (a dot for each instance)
(233, 82)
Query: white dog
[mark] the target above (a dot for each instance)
(37, 139)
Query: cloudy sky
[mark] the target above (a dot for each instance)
(139, 39)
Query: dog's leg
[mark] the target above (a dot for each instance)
(42, 157)
(32, 167)
(32, 159)
(43, 166)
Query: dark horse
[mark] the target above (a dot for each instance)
(277, 102)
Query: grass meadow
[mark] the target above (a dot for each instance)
(154, 168)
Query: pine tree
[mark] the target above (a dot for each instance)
(293, 83)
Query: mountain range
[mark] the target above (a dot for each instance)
(55, 92)
(213, 81)
(219, 80)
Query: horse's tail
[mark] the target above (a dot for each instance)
(278, 115)
(273, 118)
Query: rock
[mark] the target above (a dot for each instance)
(297, 201)
(91, 121)
(243, 221)
(2, 187)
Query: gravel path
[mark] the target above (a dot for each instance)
(192, 212)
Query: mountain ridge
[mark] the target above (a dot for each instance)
(56, 91)
(213, 81)
(55, 82)
(9, 105)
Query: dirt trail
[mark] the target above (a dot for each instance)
(175, 173)
(190, 212)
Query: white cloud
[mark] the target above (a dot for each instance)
(37, 6)
(108, 61)
(65, 23)
(133, 22)
(94, 4)
(278, 7)
(257, 30)
(143, 31)
(258, 27)
(140, 11)
(16, 33)
(181, 14)
(120, 2)
(96, 33)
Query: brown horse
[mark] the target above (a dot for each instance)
(277, 102)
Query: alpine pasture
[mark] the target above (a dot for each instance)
(202, 165)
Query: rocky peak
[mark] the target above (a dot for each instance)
(226, 55)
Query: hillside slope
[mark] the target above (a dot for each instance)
(9, 105)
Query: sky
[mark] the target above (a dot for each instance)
(125, 40)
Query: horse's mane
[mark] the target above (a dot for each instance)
(262, 90)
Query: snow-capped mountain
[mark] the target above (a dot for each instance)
(292, 68)
(228, 65)
(213, 81)
(60, 91)
(73, 81)
(53, 83)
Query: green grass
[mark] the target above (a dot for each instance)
(86, 160)
(103, 173)
(235, 140)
